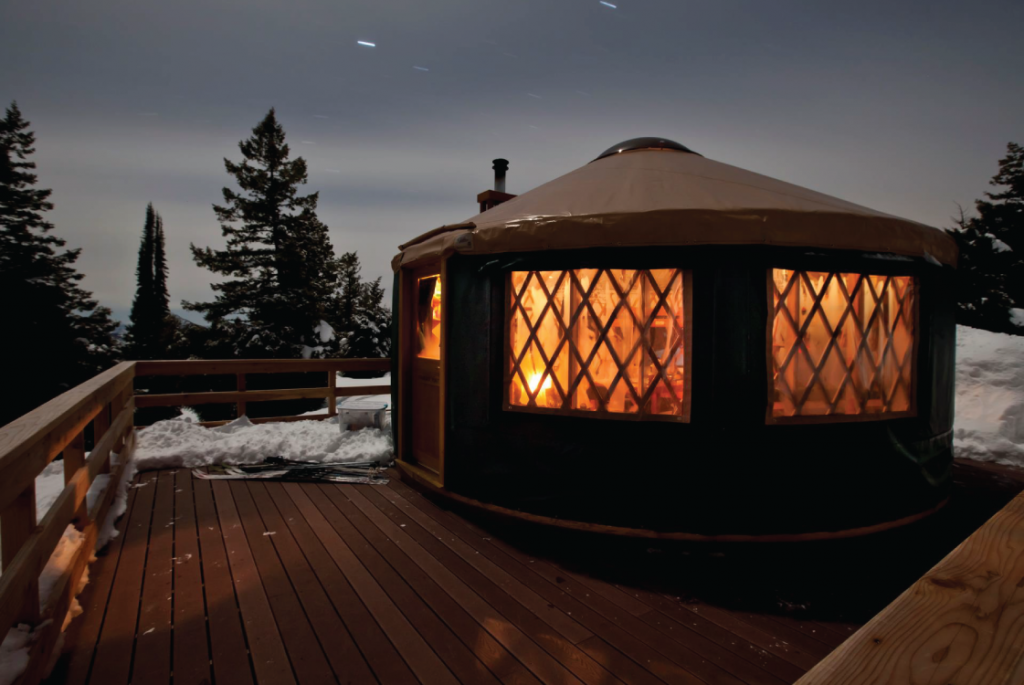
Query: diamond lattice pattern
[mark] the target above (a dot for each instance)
(842, 343)
(598, 341)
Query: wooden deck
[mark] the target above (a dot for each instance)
(263, 582)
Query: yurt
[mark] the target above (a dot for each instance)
(660, 345)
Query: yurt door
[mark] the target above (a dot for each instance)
(423, 410)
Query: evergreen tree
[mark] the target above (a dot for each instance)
(56, 335)
(278, 261)
(160, 293)
(990, 273)
(360, 317)
(152, 331)
(371, 326)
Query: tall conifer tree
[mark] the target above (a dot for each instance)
(56, 335)
(990, 274)
(151, 331)
(278, 262)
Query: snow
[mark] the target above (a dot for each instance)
(1017, 316)
(14, 653)
(989, 397)
(183, 444)
(324, 332)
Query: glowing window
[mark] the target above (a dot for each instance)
(842, 344)
(428, 317)
(599, 342)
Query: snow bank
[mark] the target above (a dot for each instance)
(183, 444)
(14, 653)
(989, 397)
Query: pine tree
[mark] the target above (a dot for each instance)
(278, 261)
(151, 331)
(360, 317)
(56, 335)
(371, 326)
(990, 273)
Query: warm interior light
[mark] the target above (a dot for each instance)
(428, 317)
(842, 343)
(598, 340)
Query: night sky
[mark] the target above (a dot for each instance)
(905, 107)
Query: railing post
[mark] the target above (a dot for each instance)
(100, 426)
(332, 401)
(240, 386)
(17, 523)
(74, 459)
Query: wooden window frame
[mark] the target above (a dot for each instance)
(912, 290)
(512, 300)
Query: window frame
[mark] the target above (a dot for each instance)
(508, 300)
(864, 272)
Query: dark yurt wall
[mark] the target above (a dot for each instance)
(660, 344)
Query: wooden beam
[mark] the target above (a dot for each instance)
(30, 442)
(961, 622)
(332, 386)
(227, 367)
(20, 576)
(270, 419)
(74, 459)
(364, 390)
(240, 387)
(18, 522)
(190, 399)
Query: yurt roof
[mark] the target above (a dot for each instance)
(655, 192)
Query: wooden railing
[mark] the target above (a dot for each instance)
(27, 446)
(241, 397)
(962, 622)
(108, 403)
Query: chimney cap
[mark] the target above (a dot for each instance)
(500, 164)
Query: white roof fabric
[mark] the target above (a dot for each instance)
(666, 197)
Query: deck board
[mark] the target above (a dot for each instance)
(264, 583)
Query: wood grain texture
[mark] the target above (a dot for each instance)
(962, 622)
(226, 367)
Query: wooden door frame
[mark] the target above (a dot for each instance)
(407, 283)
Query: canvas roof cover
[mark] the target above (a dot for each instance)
(657, 197)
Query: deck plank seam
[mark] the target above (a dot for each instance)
(248, 485)
(174, 578)
(745, 644)
(145, 562)
(130, 505)
(573, 660)
(274, 495)
(288, 574)
(516, 653)
(244, 541)
(606, 621)
(402, 577)
(240, 487)
(401, 613)
(202, 583)
(500, 579)
(597, 633)
(304, 510)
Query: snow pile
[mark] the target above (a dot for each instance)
(14, 653)
(60, 561)
(989, 397)
(177, 443)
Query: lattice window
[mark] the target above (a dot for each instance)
(610, 342)
(842, 344)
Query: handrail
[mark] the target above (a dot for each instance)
(107, 402)
(27, 446)
(241, 396)
(960, 622)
